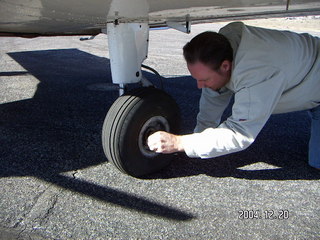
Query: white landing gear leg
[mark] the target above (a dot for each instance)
(139, 113)
(128, 48)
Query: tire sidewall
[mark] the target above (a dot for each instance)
(156, 103)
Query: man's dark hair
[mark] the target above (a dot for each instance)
(210, 48)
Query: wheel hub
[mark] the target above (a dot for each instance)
(154, 124)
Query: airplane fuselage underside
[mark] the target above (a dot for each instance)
(55, 17)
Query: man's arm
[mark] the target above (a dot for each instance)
(251, 110)
(211, 107)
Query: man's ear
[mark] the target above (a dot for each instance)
(226, 66)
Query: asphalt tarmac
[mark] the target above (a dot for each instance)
(56, 183)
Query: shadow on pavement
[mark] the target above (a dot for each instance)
(59, 129)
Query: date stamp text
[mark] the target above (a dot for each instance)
(264, 214)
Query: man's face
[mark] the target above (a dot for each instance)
(209, 78)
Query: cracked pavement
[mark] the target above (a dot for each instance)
(55, 182)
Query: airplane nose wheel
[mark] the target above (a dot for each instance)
(130, 121)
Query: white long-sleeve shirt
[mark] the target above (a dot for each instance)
(273, 72)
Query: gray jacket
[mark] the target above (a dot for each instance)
(273, 72)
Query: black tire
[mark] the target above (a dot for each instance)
(130, 120)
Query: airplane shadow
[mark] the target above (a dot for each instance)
(59, 130)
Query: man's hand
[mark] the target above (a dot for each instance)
(163, 142)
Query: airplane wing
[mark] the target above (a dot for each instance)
(56, 17)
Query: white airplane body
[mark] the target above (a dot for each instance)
(56, 17)
(135, 115)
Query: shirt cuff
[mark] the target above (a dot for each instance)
(188, 143)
